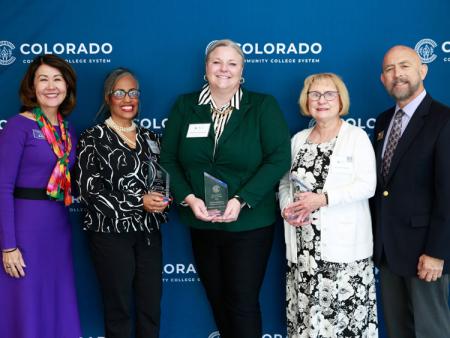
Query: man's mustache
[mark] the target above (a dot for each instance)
(400, 81)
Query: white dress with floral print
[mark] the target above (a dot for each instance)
(326, 299)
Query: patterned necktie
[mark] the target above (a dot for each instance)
(394, 136)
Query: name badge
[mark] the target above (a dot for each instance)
(198, 130)
(153, 146)
(343, 162)
(38, 134)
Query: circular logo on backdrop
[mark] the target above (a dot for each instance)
(425, 49)
(215, 334)
(6, 53)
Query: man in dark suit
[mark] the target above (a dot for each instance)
(411, 206)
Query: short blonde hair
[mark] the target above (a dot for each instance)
(344, 98)
(224, 43)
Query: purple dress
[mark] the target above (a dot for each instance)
(42, 304)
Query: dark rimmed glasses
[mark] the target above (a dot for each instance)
(120, 93)
(329, 96)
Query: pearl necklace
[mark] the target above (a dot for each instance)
(113, 124)
(110, 123)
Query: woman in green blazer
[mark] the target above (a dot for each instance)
(242, 139)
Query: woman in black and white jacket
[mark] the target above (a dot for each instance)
(123, 210)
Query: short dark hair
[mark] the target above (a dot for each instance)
(27, 92)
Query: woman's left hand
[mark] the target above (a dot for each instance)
(231, 212)
(13, 263)
(154, 202)
(309, 201)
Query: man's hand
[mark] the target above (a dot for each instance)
(429, 268)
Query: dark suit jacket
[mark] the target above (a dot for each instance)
(411, 207)
(252, 155)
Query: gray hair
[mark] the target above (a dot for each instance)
(110, 81)
(223, 43)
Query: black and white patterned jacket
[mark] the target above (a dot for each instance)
(112, 179)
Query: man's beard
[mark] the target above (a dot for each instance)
(403, 93)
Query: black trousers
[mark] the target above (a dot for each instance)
(414, 308)
(231, 266)
(127, 266)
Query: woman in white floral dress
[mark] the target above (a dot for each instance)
(328, 232)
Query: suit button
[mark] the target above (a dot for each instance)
(385, 193)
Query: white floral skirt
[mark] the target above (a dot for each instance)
(327, 299)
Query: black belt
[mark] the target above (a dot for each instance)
(31, 194)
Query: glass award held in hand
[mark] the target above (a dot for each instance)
(299, 185)
(159, 179)
(216, 195)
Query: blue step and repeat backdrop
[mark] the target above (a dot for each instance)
(164, 43)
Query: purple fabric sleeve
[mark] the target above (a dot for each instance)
(12, 141)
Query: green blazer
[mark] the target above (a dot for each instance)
(252, 155)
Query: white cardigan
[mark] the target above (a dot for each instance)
(346, 227)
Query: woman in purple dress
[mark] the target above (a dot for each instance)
(38, 297)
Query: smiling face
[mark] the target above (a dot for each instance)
(50, 87)
(125, 109)
(224, 69)
(403, 74)
(323, 110)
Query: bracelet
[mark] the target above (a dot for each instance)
(326, 197)
(9, 251)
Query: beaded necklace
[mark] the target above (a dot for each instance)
(111, 122)
(120, 131)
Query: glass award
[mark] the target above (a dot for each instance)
(298, 185)
(216, 195)
(158, 179)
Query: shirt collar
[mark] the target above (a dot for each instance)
(205, 97)
(411, 107)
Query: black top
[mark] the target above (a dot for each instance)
(112, 179)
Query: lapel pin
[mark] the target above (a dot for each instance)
(380, 135)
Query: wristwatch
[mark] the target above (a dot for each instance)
(240, 200)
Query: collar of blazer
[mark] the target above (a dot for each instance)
(412, 129)
(204, 114)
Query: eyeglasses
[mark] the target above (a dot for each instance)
(120, 93)
(329, 96)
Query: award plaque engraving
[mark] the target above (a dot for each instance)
(298, 186)
(216, 195)
(158, 179)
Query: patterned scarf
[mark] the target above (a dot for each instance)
(58, 186)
